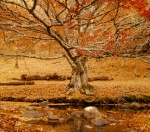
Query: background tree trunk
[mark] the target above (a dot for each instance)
(16, 63)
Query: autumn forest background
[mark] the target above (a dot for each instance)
(74, 53)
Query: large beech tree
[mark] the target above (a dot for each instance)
(81, 27)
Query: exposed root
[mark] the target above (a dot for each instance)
(85, 90)
(70, 91)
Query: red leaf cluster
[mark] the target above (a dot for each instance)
(140, 5)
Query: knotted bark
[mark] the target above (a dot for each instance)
(79, 78)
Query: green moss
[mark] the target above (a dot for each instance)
(144, 99)
(60, 100)
(107, 100)
(130, 98)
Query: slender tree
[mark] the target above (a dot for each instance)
(81, 27)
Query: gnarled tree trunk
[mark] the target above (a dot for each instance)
(79, 79)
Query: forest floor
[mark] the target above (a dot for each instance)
(129, 84)
(130, 79)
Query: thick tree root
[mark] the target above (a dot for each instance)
(87, 91)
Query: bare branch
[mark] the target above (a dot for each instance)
(29, 56)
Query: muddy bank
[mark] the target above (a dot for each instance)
(131, 102)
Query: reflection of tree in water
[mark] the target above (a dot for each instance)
(79, 124)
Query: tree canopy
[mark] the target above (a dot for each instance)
(81, 27)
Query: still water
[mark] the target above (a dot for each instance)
(120, 120)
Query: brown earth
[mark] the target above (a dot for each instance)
(130, 78)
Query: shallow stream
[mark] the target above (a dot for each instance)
(71, 119)
(121, 120)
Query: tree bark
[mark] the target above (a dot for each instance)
(16, 64)
(79, 78)
(18, 83)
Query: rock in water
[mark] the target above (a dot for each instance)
(33, 114)
(99, 121)
(91, 112)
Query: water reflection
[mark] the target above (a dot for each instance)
(81, 124)
(120, 120)
(78, 124)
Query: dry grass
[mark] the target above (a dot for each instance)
(131, 78)
(31, 67)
